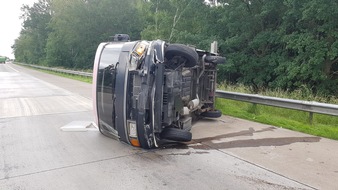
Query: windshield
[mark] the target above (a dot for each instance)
(106, 86)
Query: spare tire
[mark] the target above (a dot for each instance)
(215, 59)
(175, 134)
(212, 114)
(189, 54)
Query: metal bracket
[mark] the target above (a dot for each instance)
(80, 126)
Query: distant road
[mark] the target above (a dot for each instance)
(226, 153)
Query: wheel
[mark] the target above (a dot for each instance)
(215, 59)
(189, 54)
(175, 134)
(212, 114)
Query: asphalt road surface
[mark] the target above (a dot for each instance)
(225, 153)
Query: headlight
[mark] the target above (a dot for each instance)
(133, 134)
(141, 48)
(132, 129)
(138, 54)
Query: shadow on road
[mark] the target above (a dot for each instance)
(258, 142)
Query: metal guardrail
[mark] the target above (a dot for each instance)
(314, 107)
(80, 73)
(311, 107)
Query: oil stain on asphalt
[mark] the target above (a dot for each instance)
(208, 142)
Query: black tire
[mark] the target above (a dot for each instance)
(176, 135)
(212, 114)
(189, 54)
(215, 59)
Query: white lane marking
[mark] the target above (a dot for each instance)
(13, 69)
(34, 106)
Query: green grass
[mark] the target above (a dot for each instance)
(322, 125)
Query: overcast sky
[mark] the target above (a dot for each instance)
(10, 24)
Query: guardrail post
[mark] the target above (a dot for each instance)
(253, 109)
(310, 118)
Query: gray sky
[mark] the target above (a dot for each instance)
(10, 24)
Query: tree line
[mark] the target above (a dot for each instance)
(284, 44)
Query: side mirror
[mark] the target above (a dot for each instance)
(121, 38)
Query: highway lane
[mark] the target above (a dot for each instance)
(36, 154)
